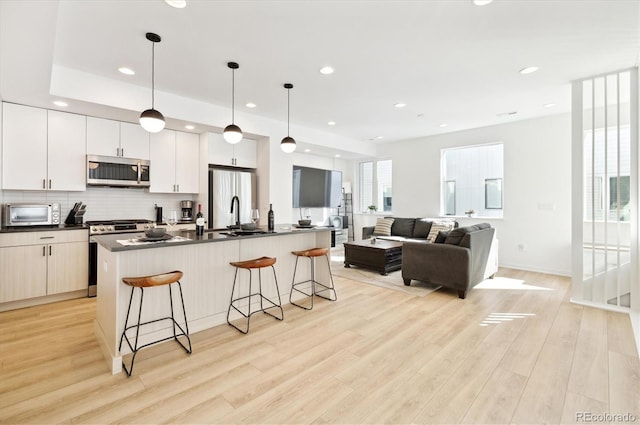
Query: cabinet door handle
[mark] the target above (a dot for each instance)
(49, 183)
(44, 183)
(178, 188)
(47, 237)
(49, 250)
(44, 251)
(121, 151)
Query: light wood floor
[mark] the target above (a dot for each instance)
(375, 356)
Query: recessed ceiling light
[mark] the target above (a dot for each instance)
(60, 103)
(250, 105)
(178, 4)
(331, 123)
(481, 2)
(443, 125)
(307, 150)
(379, 137)
(400, 105)
(549, 105)
(529, 70)
(326, 70)
(126, 71)
(189, 127)
(337, 155)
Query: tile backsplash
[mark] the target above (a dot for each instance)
(105, 203)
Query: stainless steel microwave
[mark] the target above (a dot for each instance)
(117, 171)
(30, 215)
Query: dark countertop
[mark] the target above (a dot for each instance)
(188, 237)
(20, 229)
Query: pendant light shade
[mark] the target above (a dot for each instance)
(232, 133)
(151, 119)
(288, 144)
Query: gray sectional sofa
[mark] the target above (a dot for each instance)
(464, 259)
(404, 229)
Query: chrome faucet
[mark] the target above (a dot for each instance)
(236, 200)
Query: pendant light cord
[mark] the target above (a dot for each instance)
(233, 95)
(153, 61)
(288, 110)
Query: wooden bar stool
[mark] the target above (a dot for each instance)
(257, 263)
(148, 282)
(312, 254)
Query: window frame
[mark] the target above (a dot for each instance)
(374, 186)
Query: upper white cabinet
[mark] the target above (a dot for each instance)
(67, 151)
(134, 141)
(242, 154)
(175, 162)
(114, 138)
(42, 150)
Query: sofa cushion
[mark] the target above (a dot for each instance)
(456, 235)
(438, 226)
(383, 227)
(403, 227)
(421, 228)
(442, 236)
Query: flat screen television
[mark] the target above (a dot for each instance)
(316, 188)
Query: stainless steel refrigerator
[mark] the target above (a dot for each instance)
(224, 184)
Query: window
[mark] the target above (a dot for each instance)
(375, 185)
(607, 184)
(472, 180)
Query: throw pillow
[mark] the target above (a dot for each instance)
(439, 226)
(442, 236)
(421, 228)
(383, 227)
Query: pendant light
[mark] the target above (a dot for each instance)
(288, 144)
(151, 119)
(232, 132)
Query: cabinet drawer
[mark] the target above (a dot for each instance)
(46, 237)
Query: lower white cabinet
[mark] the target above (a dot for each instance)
(36, 264)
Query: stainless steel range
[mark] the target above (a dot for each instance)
(103, 227)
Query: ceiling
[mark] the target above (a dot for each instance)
(450, 62)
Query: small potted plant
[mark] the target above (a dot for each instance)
(470, 213)
(372, 208)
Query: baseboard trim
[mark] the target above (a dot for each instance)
(566, 273)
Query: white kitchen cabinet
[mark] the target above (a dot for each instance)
(67, 154)
(24, 147)
(174, 162)
(242, 154)
(103, 137)
(134, 141)
(114, 138)
(36, 264)
(43, 150)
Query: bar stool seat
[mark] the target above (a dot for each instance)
(312, 254)
(141, 283)
(257, 263)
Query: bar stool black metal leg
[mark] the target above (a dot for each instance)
(186, 323)
(328, 288)
(279, 305)
(294, 284)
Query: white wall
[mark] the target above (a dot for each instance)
(535, 233)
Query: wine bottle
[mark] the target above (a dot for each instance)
(271, 226)
(199, 221)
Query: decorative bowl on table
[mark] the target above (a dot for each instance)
(304, 222)
(155, 232)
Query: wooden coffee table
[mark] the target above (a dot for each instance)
(381, 256)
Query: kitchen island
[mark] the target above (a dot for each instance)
(207, 281)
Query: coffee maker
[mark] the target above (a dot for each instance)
(187, 210)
